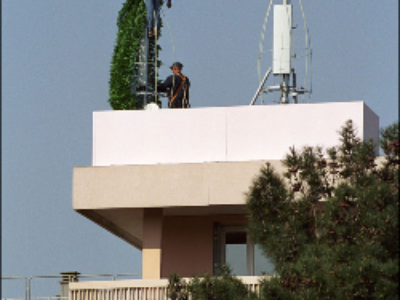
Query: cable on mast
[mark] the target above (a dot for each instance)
(170, 34)
(264, 27)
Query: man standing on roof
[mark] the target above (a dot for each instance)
(177, 86)
(153, 9)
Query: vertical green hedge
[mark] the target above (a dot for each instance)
(131, 24)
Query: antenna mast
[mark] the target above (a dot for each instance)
(281, 64)
(281, 56)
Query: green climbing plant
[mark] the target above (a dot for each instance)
(131, 24)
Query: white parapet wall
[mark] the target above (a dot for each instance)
(225, 134)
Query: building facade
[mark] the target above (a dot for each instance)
(172, 183)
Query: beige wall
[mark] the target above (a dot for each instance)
(172, 185)
(118, 199)
(187, 243)
(152, 238)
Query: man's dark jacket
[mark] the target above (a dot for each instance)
(171, 85)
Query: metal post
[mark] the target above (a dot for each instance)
(285, 89)
(294, 86)
(143, 52)
(26, 288)
(29, 288)
(261, 86)
(155, 63)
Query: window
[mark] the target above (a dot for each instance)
(232, 246)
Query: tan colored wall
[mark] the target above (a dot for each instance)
(187, 243)
(172, 185)
(152, 239)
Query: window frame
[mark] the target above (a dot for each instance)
(220, 247)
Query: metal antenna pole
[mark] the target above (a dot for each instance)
(282, 56)
(261, 86)
(142, 70)
(294, 86)
(285, 54)
(155, 61)
(146, 67)
(284, 88)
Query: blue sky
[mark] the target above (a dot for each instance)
(55, 69)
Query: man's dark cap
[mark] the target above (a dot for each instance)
(177, 64)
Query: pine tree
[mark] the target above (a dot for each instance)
(207, 287)
(330, 225)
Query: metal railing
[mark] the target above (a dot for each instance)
(144, 289)
(17, 278)
(28, 283)
(39, 298)
(115, 289)
(127, 274)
